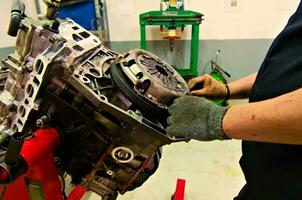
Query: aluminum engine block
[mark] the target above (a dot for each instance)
(109, 108)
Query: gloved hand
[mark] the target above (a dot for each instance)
(196, 118)
(211, 88)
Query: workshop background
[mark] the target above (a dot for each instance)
(242, 32)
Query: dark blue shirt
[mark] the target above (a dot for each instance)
(274, 171)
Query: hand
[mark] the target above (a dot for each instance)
(196, 118)
(212, 89)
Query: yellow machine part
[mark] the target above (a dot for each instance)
(173, 3)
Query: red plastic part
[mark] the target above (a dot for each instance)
(37, 152)
(77, 193)
(180, 189)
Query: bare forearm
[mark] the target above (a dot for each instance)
(277, 120)
(242, 88)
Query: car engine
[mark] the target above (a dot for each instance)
(110, 108)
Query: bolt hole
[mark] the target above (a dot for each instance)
(39, 66)
(36, 81)
(84, 34)
(126, 55)
(161, 70)
(129, 63)
(20, 122)
(76, 37)
(144, 86)
(78, 48)
(85, 79)
(30, 90)
(21, 111)
(103, 98)
(94, 72)
(139, 75)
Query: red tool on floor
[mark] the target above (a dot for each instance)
(180, 190)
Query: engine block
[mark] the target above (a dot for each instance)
(109, 108)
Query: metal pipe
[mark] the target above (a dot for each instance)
(38, 7)
(106, 24)
(17, 12)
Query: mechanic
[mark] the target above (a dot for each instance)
(269, 125)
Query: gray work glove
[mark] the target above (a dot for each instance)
(196, 118)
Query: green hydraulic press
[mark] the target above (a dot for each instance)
(174, 18)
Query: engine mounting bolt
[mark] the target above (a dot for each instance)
(29, 66)
(43, 122)
(138, 112)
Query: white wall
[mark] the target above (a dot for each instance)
(250, 19)
(5, 7)
(5, 40)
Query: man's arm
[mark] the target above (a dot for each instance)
(242, 88)
(277, 120)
